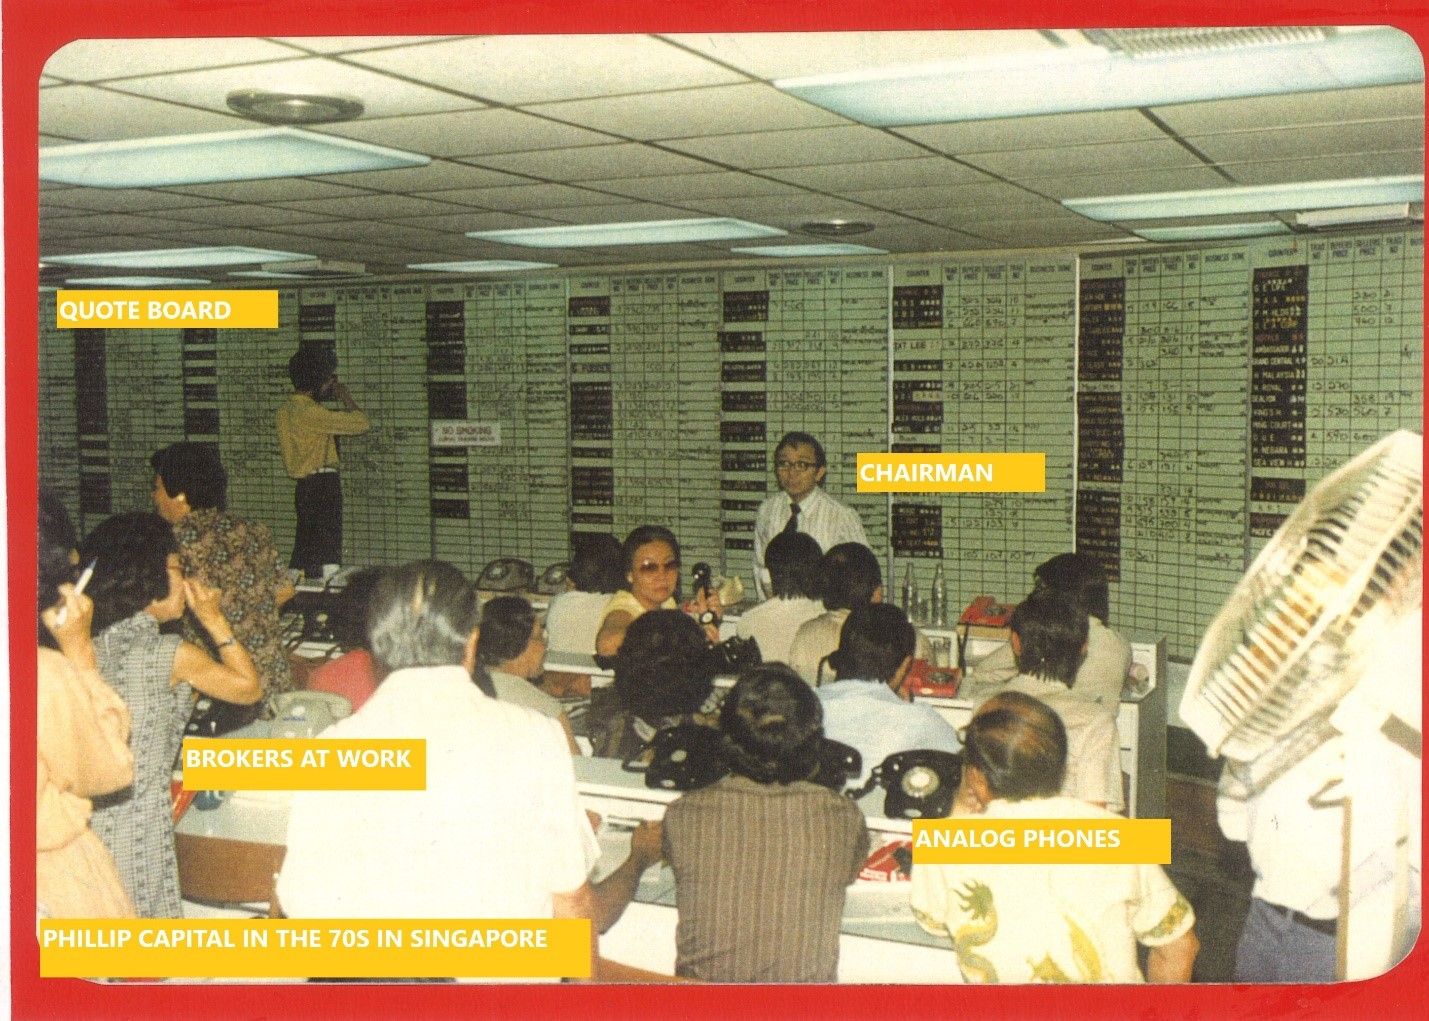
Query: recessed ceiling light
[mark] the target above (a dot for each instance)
(267, 274)
(647, 232)
(132, 281)
(1078, 78)
(1212, 231)
(173, 258)
(482, 266)
(292, 108)
(1264, 198)
(800, 251)
(836, 228)
(247, 155)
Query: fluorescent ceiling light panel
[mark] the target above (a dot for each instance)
(1354, 214)
(801, 251)
(1212, 231)
(267, 274)
(174, 258)
(1265, 198)
(246, 155)
(132, 281)
(482, 266)
(1092, 78)
(648, 232)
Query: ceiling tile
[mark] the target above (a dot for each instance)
(472, 219)
(373, 206)
(780, 212)
(1121, 157)
(89, 114)
(687, 113)
(1311, 140)
(881, 175)
(1040, 234)
(950, 196)
(438, 175)
(535, 69)
(88, 60)
(717, 184)
(522, 197)
(353, 43)
(1328, 168)
(281, 189)
(380, 94)
(594, 162)
(789, 54)
(1012, 134)
(119, 200)
(469, 133)
(246, 215)
(618, 211)
(1125, 183)
(966, 217)
(799, 148)
(1299, 108)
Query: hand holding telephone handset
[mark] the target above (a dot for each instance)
(983, 611)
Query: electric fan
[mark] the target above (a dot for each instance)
(1313, 647)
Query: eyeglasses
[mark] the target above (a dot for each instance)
(794, 466)
(651, 567)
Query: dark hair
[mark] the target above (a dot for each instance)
(131, 554)
(773, 725)
(848, 576)
(194, 470)
(1019, 745)
(506, 626)
(794, 439)
(421, 614)
(1081, 578)
(873, 644)
(663, 667)
(639, 537)
(348, 619)
(1050, 633)
(57, 542)
(597, 561)
(793, 559)
(311, 367)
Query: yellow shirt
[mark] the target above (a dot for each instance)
(306, 430)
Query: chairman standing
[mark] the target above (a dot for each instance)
(306, 432)
(801, 505)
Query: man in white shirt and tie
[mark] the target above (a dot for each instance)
(801, 505)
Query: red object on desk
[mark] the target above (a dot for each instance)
(936, 681)
(182, 799)
(882, 867)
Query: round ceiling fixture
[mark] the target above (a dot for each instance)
(836, 228)
(292, 108)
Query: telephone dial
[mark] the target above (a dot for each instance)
(508, 574)
(553, 579)
(921, 783)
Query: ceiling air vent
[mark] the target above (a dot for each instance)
(1166, 42)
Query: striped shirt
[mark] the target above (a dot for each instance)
(760, 874)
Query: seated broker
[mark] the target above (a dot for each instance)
(762, 858)
(305, 434)
(801, 505)
(1046, 923)
(664, 675)
(1082, 579)
(511, 649)
(793, 560)
(227, 553)
(652, 579)
(353, 675)
(870, 705)
(596, 573)
(1049, 638)
(849, 576)
(436, 853)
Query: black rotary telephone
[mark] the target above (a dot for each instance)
(506, 575)
(921, 783)
(688, 756)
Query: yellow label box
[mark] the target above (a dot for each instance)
(305, 764)
(315, 947)
(975, 840)
(134, 309)
(952, 473)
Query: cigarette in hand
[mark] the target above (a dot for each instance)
(84, 577)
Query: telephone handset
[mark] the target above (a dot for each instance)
(703, 579)
(921, 783)
(553, 579)
(508, 574)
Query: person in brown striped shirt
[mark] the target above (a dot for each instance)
(763, 857)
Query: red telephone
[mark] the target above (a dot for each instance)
(926, 679)
(986, 611)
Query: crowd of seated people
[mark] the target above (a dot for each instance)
(423, 657)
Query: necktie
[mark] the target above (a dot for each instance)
(792, 525)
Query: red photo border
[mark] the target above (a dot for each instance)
(33, 29)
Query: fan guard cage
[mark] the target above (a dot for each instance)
(1295, 635)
